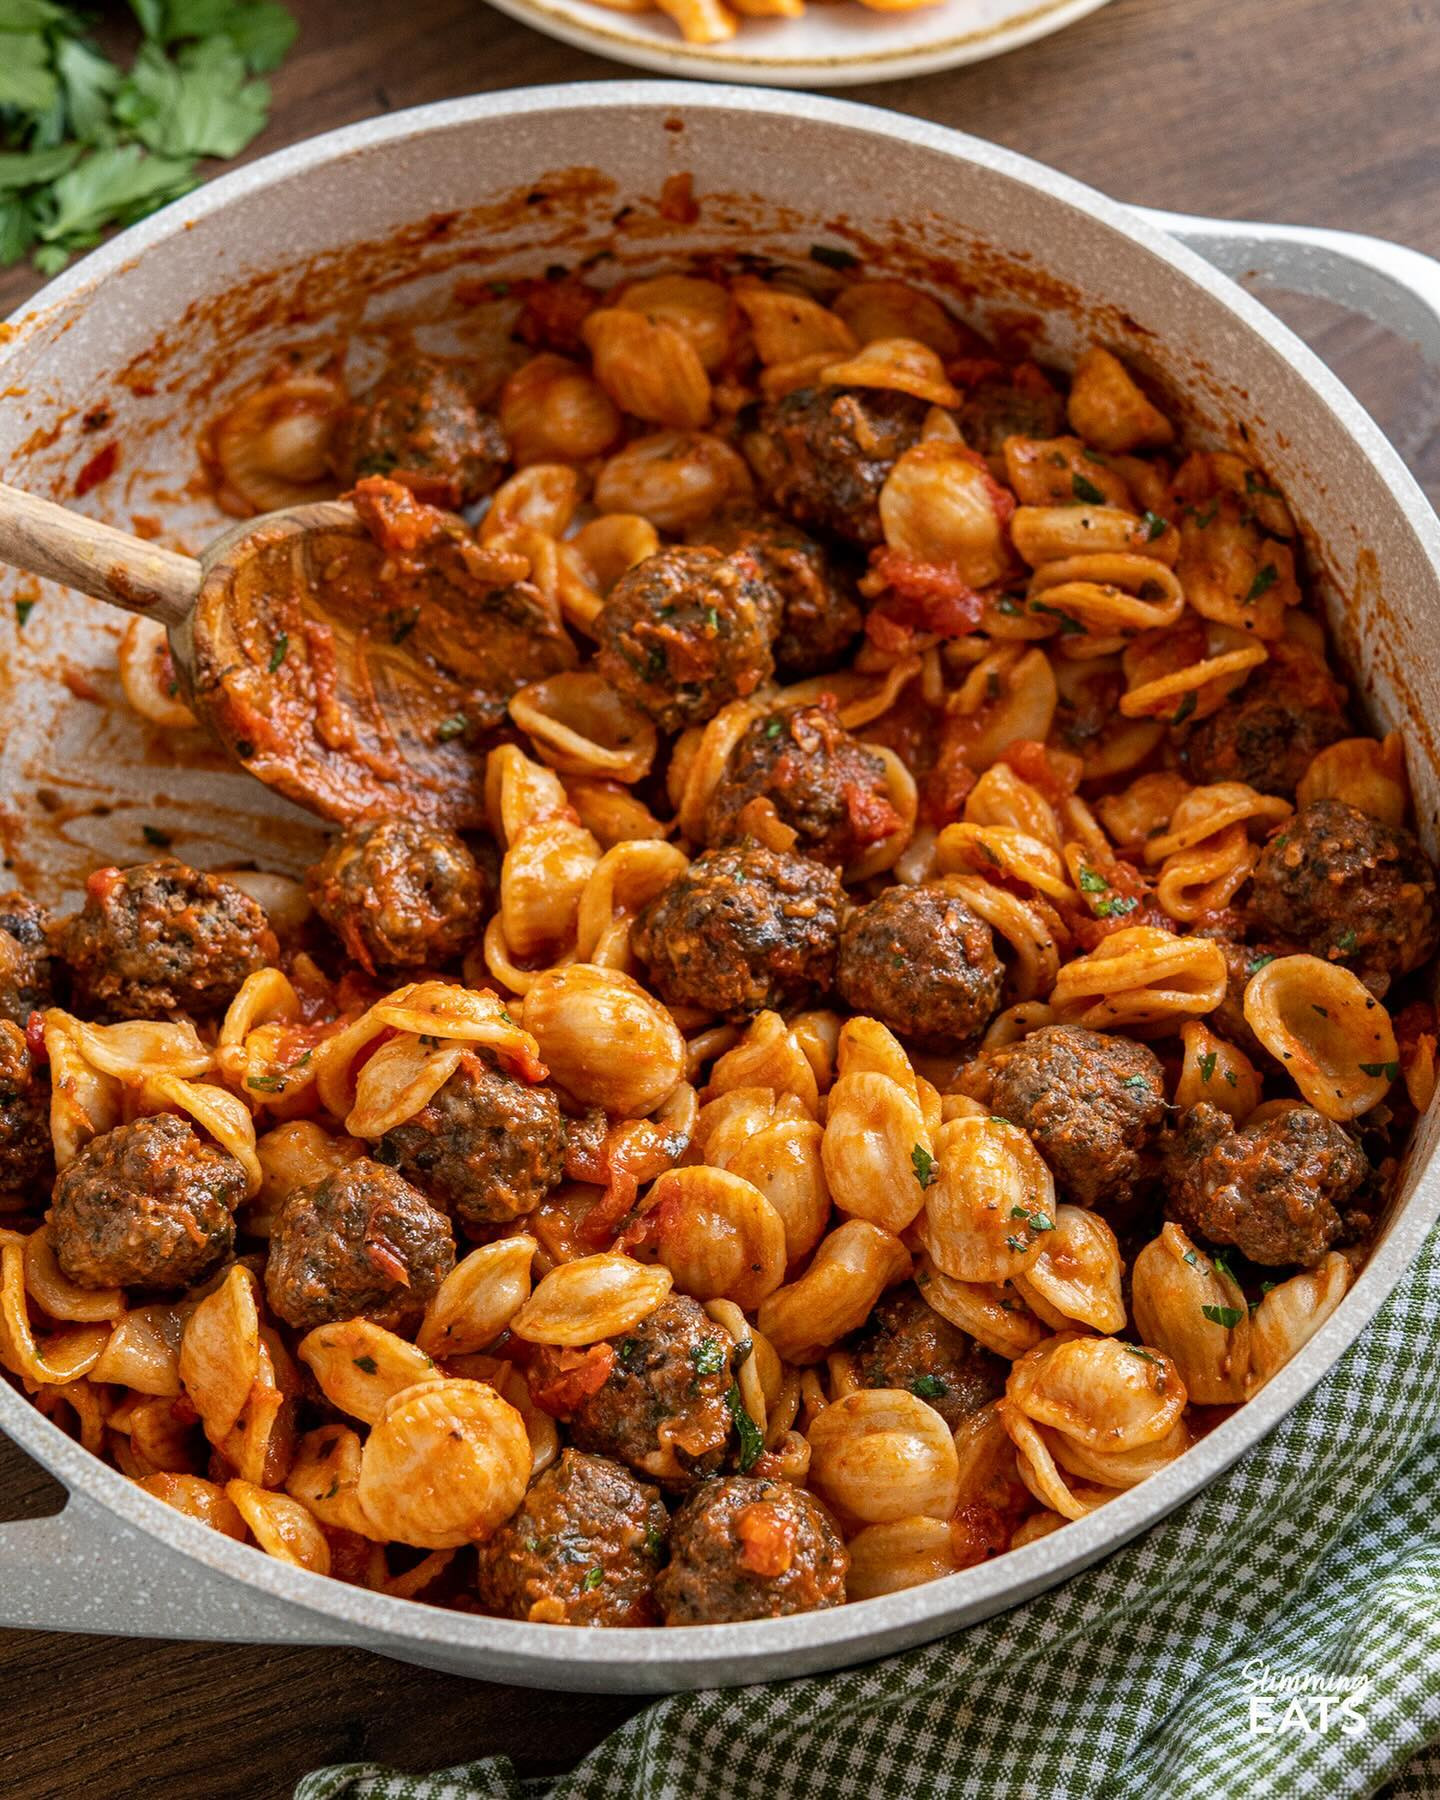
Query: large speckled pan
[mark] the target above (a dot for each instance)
(386, 224)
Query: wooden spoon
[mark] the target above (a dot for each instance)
(359, 678)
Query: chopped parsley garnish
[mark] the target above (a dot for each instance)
(626, 1351)
(366, 1364)
(1115, 906)
(1037, 1221)
(1091, 883)
(1207, 1065)
(1254, 967)
(1232, 1078)
(451, 727)
(593, 1577)
(923, 1163)
(712, 618)
(1068, 627)
(1221, 1266)
(266, 1084)
(1207, 518)
(833, 256)
(751, 1441)
(1184, 709)
(1009, 605)
(1137, 1082)
(928, 1387)
(1347, 940)
(23, 610)
(1142, 1353)
(774, 728)
(708, 1356)
(1254, 485)
(1388, 1069)
(1191, 1258)
(1084, 489)
(654, 1543)
(1265, 578)
(278, 653)
(1155, 526)
(1017, 1244)
(152, 834)
(1228, 1316)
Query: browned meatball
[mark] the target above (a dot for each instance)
(359, 1242)
(420, 426)
(1010, 403)
(744, 1547)
(1092, 1103)
(687, 631)
(742, 929)
(25, 1153)
(399, 894)
(822, 455)
(148, 1205)
(583, 1549)
(663, 1408)
(918, 960)
(163, 938)
(906, 1344)
(820, 613)
(1350, 889)
(487, 1147)
(1275, 1190)
(1266, 734)
(827, 786)
(24, 959)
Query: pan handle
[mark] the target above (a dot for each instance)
(84, 1569)
(1389, 283)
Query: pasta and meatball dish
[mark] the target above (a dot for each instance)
(930, 1022)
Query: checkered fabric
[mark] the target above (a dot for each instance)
(1312, 1565)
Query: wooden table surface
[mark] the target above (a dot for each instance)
(1320, 111)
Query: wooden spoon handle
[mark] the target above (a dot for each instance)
(110, 565)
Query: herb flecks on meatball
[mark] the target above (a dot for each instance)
(148, 1205)
(25, 985)
(399, 894)
(420, 426)
(906, 1344)
(686, 631)
(163, 938)
(1092, 1103)
(743, 929)
(821, 455)
(744, 1547)
(1267, 734)
(583, 1549)
(26, 1157)
(831, 790)
(1275, 1189)
(918, 960)
(1348, 888)
(820, 614)
(663, 1407)
(487, 1146)
(359, 1243)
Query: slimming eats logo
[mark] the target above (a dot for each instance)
(1302, 1703)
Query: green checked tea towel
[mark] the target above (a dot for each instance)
(1279, 1635)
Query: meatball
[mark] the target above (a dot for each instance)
(1092, 1103)
(827, 786)
(583, 1549)
(918, 960)
(663, 1406)
(748, 1548)
(24, 959)
(1274, 1189)
(742, 929)
(822, 455)
(1010, 403)
(399, 893)
(420, 426)
(820, 614)
(1266, 734)
(148, 1205)
(1350, 889)
(361, 1241)
(687, 631)
(487, 1147)
(906, 1344)
(25, 1153)
(162, 938)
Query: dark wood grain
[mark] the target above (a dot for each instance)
(1311, 110)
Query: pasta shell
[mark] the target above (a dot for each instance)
(604, 1038)
(591, 1298)
(937, 506)
(478, 1298)
(991, 1201)
(197, 1499)
(719, 1237)
(143, 1351)
(847, 1275)
(786, 1163)
(360, 1364)
(1290, 1315)
(881, 1454)
(220, 1352)
(1335, 1040)
(1102, 1393)
(903, 1553)
(281, 1526)
(325, 1477)
(993, 1313)
(1077, 1274)
(1193, 1309)
(876, 1150)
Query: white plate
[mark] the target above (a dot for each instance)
(837, 43)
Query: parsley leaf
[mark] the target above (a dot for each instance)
(1254, 968)
(928, 1387)
(365, 1364)
(1388, 1069)
(278, 651)
(751, 1441)
(1084, 489)
(593, 1577)
(1228, 1316)
(1265, 578)
(1138, 1082)
(23, 610)
(1155, 526)
(923, 1163)
(451, 727)
(708, 1356)
(1091, 883)
(1207, 1065)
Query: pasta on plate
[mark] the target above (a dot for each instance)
(932, 1022)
